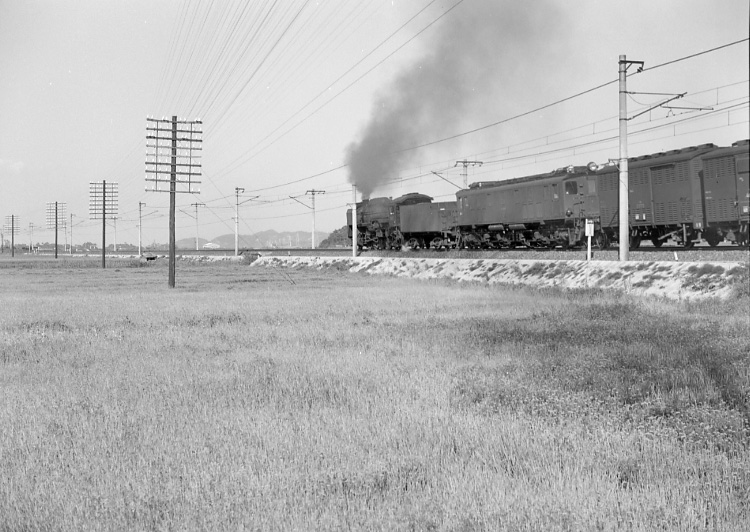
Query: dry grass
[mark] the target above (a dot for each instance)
(295, 400)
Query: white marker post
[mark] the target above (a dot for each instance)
(589, 234)
(355, 233)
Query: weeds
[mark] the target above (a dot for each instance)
(370, 403)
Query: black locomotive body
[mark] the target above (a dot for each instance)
(379, 221)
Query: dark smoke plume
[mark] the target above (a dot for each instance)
(458, 82)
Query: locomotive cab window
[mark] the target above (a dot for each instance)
(571, 188)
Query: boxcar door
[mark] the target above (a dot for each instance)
(720, 187)
(743, 186)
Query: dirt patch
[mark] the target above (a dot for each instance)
(678, 280)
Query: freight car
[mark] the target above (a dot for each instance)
(726, 194)
(684, 195)
(429, 225)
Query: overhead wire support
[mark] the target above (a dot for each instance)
(237, 192)
(466, 164)
(196, 205)
(446, 180)
(676, 97)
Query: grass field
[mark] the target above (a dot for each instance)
(261, 399)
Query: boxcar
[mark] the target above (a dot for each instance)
(726, 194)
(665, 197)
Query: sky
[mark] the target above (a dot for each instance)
(302, 95)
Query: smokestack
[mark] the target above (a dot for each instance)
(458, 83)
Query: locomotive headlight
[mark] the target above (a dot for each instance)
(568, 213)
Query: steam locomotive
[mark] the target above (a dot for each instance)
(699, 192)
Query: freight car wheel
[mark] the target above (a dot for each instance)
(656, 241)
(713, 238)
(601, 241)
(689, 237)
(635, 242)
(412, 243)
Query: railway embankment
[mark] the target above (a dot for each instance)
(674, 280)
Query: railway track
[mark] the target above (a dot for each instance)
(699, 253)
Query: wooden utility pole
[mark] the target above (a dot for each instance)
(12, 225)
(104, 224)
(173, 149)
(102, 201)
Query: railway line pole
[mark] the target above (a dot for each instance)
(313, 192)
(140, 223)
(624, 206)
(196, 205)
(237, 192)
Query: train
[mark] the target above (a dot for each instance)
(698, 193)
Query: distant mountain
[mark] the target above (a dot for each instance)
(189, 243)
(338, 239)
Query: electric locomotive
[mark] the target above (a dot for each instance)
(540, 211)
